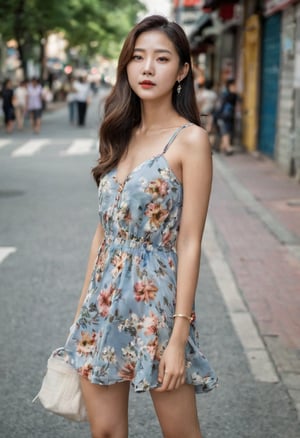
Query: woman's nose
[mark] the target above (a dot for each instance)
(148, 67)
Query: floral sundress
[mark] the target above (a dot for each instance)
(127, 317)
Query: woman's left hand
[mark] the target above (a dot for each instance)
(171, 372)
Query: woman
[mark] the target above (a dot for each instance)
(83, 95)
(20, 103)
(8, 105)
(134, 322)
(71, 99)
(206, 101)
(35, 104)
(225, 116)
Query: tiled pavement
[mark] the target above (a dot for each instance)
(255, 209)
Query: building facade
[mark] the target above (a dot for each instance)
(258, 43)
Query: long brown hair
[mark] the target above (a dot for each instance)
(122, 112)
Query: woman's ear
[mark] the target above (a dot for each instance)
(183, 72)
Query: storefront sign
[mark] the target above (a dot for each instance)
(187, 3)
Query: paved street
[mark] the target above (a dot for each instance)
(247, 301)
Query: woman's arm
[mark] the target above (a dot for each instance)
(97, 239)
(197, 178)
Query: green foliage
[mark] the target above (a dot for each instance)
(97, 27)
(92, 26)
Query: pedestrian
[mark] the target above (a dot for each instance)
(71, 94)
(135, 321)
(83, 94)
(35, 104)
(47, 96)
(20, 103)
(8, 105)
(206, 101)
(225, 116)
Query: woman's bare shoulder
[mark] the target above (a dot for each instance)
(195, 140)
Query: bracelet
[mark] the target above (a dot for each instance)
(181, 315)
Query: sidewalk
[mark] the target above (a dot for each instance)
(255, 210)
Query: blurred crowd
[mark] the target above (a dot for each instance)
(217, 106)
(28, 99)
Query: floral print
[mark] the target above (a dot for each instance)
(126, 319)
(145, 290)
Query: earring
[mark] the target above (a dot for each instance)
(179, 88)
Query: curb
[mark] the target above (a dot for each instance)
(286, 361)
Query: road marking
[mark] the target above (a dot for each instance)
(5, 251)
(80, 146)
(30, 147)
(258, 357)
(4, 143)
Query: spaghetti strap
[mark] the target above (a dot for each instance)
(178, 130)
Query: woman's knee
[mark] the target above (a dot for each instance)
(188, 431)
(97, 432)
(177, 412)
(106, 429)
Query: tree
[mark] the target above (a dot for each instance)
(29, 23)
(91, 25)
(96, 26)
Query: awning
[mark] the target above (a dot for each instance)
(204, 21)
(201, 47)
(211, 5)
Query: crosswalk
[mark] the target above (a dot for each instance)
(29, 148)
(63, 147)
(4, 143)
(80, 147)
(5, 251)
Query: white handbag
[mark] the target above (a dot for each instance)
(60, 392)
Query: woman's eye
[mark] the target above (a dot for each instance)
(136, 57)
(163, 59)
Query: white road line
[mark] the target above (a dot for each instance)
(259, 361)
(4, 143)
(80, 146)
(5, 251)
(30, 147)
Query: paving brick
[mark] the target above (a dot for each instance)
(266, 271)
(275, 190)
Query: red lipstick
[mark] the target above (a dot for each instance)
(147, 84)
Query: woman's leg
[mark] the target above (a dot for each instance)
(21, 117)
(84, 110)
(75, 109)
(32, 119)
(37, 121)
(107, 408)
(226, 138)
(177, 412)
(82, 113)
(72, 112)
(9, 126)
(18, 116)
(79, 113)
(225, 142)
